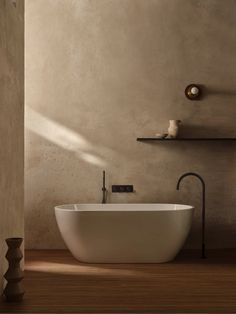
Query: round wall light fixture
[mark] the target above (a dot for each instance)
(193, 92)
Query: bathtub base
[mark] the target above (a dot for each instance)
(124, 260)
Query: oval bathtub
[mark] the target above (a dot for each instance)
(124, 233)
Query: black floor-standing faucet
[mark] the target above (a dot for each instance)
(104, 190)
(203, 206)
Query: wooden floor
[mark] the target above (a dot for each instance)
(56, 283)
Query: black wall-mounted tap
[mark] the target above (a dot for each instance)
(104, 190)
(203, 206)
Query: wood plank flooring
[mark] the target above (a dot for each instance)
(56, 283)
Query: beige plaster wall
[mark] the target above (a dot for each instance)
(11, 123)
(100, 73)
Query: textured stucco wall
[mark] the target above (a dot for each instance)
(11, 123)
(101, 73)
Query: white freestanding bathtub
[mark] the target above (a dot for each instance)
(124, 233)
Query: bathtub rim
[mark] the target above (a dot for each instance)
(105, 207)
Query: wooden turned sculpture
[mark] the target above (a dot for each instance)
(13, 291)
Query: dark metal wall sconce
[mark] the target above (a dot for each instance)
(193, 92)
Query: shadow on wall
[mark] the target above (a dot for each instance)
(220, 92)
(63, 137)
(71, 141)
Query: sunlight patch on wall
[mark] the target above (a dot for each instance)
(61, 136)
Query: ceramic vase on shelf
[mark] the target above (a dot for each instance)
(13, 291)
(173, 129)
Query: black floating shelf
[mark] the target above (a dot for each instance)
(146, 139)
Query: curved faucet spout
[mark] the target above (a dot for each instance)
(190, 174)
(203, 205)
